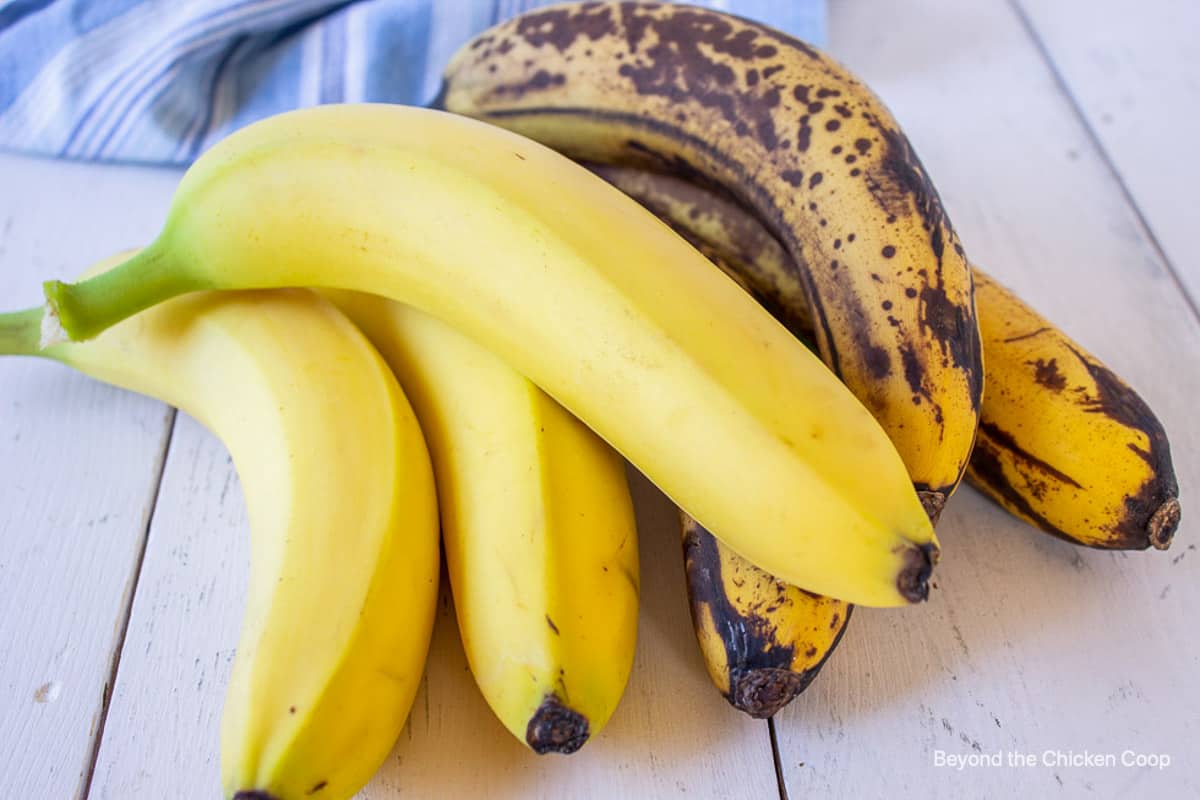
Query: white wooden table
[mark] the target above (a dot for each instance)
(1062, 136)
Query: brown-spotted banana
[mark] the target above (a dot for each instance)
(1064, 443)
(575, 286)
(793, 136)
(763, 640)
(537, 525)
(343, 520)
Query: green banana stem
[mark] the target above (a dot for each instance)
(88, 307)
(20, 333)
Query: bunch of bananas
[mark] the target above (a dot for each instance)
(541, 322)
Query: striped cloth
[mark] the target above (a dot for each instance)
(158, 81)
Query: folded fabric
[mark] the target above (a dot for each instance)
(158, 81)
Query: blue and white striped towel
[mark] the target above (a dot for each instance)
(158, 81)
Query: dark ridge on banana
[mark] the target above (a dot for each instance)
(759, 666)
(1006, 441)
(790, 135)
(554, 728)
(987, 472)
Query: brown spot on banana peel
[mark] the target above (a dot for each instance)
(1045, 373)
(540, 80)
(555, 728)
(561, 27)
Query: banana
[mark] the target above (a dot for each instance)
(1064, 443)
(763, 641)
(794, 137)
(339, 491)
(576, 287)
(538, 526)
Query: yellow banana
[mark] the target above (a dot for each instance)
(339, 491)
(1063, 443)
(576, 287)
(763, 640)
(793, 136)
(538, 526)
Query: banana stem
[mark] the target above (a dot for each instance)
(20, 333)
(88, 307)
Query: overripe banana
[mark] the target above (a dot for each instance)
(576, 287)
(794, 137)
(339, 492)
(763, 640)
(538, 526)
(1064, 443)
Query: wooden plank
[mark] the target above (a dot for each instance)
(672, 733)
(1134, 72)
(162, 732)
(1028, 644)
(79, 465)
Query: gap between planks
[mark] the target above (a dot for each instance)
(1093, 135)
(777, 758)
(160, 468)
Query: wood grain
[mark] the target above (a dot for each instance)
(162, 733)
(1028, 644)
(1135, 75)
(79, 465)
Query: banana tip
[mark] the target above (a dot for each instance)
(913, 582)
(1163, 523)
(253, 794)
(554, 728)
(762, 692)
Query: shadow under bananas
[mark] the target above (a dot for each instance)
(660, 740)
